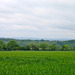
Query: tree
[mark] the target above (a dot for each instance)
(49, 47)
(1, 45)
(58, 47)
(73, 48)
(19, 48)
(4, 47)
(27, 47)
(33, 47)
(37, 46)
(43, 46)
(53, 47)
(11, 45)
(65, 47)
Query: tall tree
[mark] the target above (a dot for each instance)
(4, 47)
(53, 47)
(73, 48)
(1, 45)
(58, 47)
(11, 45)
(65, 47)
(27, 47)
(43, 46)
(33, 47)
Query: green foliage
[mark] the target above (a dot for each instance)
(19, 48)
(43, 46)
(1, 45)
(4, 47)
(37, 47)
(11, 45)
(58, 47)
(37, 63)
(33, 47)
(53, 47)
(49, 47)
(25, 42)
(73, 48)
(65, 47)
(27, 47)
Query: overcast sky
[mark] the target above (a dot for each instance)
(37, 18)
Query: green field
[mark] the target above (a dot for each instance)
(37, 63)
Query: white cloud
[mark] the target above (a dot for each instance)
(37, 18)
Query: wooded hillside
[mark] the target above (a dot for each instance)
(25, 42)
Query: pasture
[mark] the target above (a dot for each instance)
(37, 63)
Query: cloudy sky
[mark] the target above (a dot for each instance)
(37, 18)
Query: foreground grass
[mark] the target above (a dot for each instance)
(37, 63)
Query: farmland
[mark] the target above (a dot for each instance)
(37, 63)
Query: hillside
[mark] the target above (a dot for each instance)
(71, 43)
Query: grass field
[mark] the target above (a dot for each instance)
(37, 63)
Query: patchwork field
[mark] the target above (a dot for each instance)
(37, 63)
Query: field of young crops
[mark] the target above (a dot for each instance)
(37, 63)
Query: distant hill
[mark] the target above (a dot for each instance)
(23, 42)
(50, 39)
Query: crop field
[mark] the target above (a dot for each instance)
(37, 63)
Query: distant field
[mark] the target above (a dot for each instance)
(37, 63)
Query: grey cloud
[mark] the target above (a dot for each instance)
(39, 16)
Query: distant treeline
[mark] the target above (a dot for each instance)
(43, 46)
(25, 42)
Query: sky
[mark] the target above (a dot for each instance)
(37, 18)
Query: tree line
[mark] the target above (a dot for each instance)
(13, 45)
(24, 42)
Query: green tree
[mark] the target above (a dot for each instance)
(43, 46)
(66, 47)
(49, 47)
(53, 47)
(27, 47)
(19, 48)
(37, 46)
(73, 48)
(4, 47)
(11, 45)
(1, 42)
(33, 47)
(58, 47)
(1, 45)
